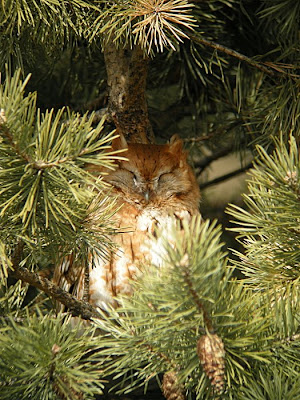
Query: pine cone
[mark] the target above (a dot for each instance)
(170, 387)
(210, 350)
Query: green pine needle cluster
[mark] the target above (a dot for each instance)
(272, 386)
(154, 24)
(42, 358)
(47, 198)
(269, 226)
(28, 26)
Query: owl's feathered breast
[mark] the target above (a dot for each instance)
(138, 246)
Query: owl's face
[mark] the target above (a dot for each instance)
(154, 175)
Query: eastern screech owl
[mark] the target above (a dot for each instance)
(155, 186)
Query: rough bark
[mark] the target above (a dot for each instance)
(76, 307)
(126, 80)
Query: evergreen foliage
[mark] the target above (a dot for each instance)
(228, 70)
(270, 224)
(194, 295)
(47, 197)
(42, 359)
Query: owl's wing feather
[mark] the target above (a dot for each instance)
(69, 275)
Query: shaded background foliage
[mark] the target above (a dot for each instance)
(195, 90)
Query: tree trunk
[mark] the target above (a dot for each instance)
(126, 80)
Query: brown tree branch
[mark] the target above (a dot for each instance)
(226, 176)
(202, 138)
(4, 131)
(267, 70)
(206, 161)
(184, 266)
(75, 306)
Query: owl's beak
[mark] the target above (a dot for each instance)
(147, 195)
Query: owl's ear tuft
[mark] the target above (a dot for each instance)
(176, 145)
(119, 143)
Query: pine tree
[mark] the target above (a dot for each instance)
(211, 323)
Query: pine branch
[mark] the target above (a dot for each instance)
(162, 23)
(206, 161)
(227, 176)
(6, 133)
(184, 266)
(164, 358)
(40, 164)
(199, 139)
(45, 358)
(269, 226)
(274, 72)
(76, 307)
